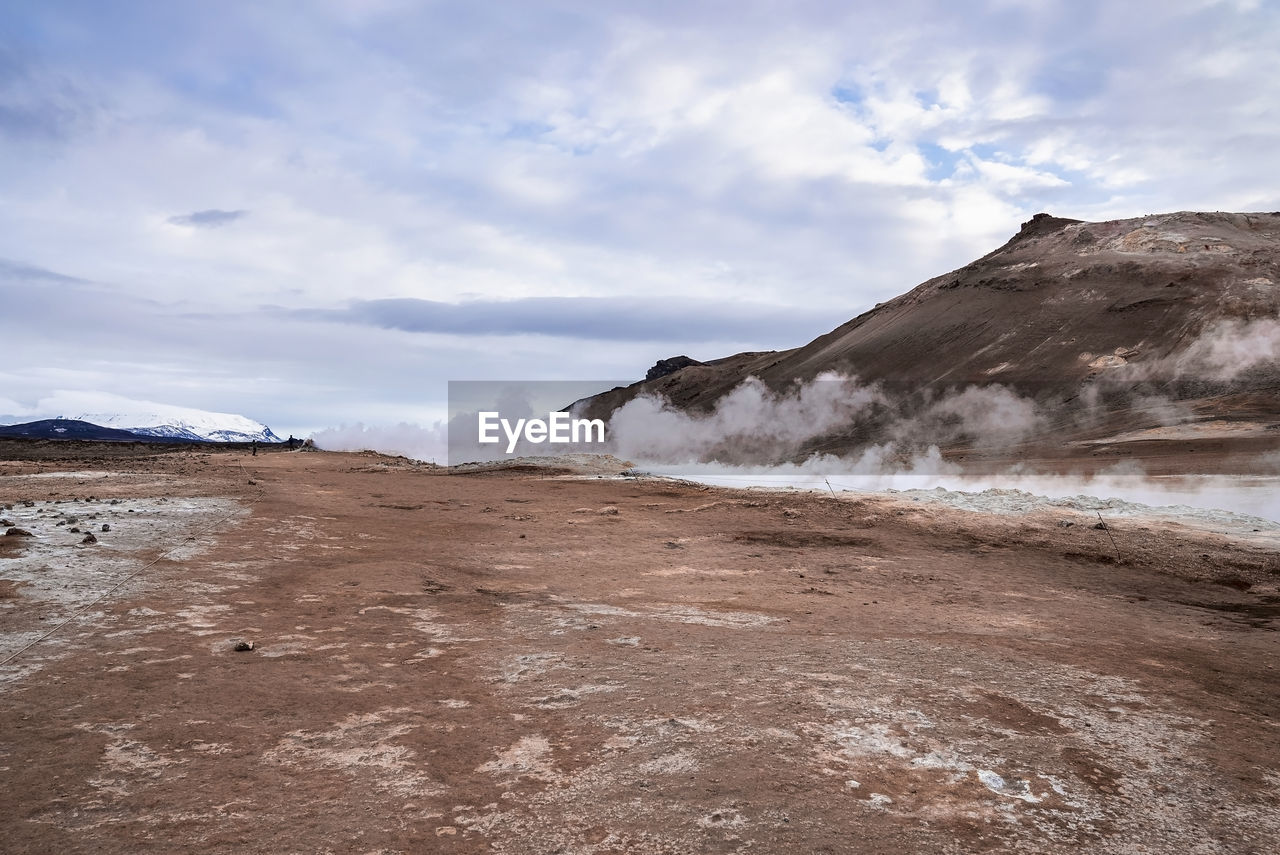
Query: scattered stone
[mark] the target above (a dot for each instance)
(18, 532)
(242, 646)
(106, 527)
(1099, 526)
(608, 511)
(1065, 523)
(671, 544)
(115, 501)
(89, 538)
(74, 529)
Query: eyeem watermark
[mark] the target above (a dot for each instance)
(558, 428)
(495, 420)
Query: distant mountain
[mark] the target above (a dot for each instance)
(76, 429)
(185, 424)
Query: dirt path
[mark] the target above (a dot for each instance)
(521, 664)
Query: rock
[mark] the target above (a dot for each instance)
(106, 527)
(1065, 523)
(18, 532)
(608, 511)
(663, 367)
(74, 529)
(242, 646)
(1099, 526)
(89, 538)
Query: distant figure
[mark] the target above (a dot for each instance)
(255, 448)
(292, 442)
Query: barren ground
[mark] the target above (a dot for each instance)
(529, 662)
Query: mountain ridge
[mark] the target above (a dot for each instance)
(1188, 300)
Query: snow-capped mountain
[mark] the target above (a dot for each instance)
(184, 423)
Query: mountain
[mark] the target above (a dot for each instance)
(1185, 305)
(76, 429)
(184, 423)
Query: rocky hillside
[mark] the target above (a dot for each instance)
(1187, 304)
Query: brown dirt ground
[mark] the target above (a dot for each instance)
(499, 662)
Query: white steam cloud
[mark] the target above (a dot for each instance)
(429, 443)
(1229, 348)
(868, 427)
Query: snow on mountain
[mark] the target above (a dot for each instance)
(184, 422)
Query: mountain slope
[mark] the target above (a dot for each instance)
(76, 429)
(1062, 301)
(1187, 304)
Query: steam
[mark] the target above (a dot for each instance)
(887, 430)
(890, 439)
(1230, 348)
(752, 423)
(838, 432)
(429, 443)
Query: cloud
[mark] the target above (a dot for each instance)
(674, 320)
(210, 219)
(16, 270)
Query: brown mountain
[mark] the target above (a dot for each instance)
(1181, 303)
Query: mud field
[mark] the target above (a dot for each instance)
(538, 661)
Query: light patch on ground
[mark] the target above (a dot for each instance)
(60, 575)
(529, 757)
(363, 745)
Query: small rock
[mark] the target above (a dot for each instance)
(106, 527)
(1065, 523)
(242, 646)
(89, 538)
(74, 529)
(1100, 526)
(18, 532)
(5, 523)
(608, 511)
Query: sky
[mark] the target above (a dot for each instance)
(316, 214)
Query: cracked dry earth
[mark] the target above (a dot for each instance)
(526, 662)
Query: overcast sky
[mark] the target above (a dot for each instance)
(316, 213)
